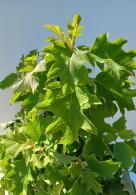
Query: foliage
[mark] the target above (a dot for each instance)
(60, 142)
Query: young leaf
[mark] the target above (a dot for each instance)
(57, 30)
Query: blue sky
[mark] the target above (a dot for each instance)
(22, 30)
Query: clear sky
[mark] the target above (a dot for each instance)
(21, 30)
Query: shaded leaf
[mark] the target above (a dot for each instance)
(103, 168)
(63, 158)
(126, 134)
(124, 154)
(89, 178)
(120, 123)
(97, 146)
(8, 81)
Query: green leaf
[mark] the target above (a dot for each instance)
(66, 109)
(89, 178)
(17, 180)
(71, 70)
(28, 62)
(22, 177)
(103, 48)
(124, 154)
(57, 189)
(98, 115)
(112, 66)
(57, 47)
(33, 128)
(63, 158)
(116, 69)
(83, 97)
(14, 97)
(78, 189)
(92, 146)
(54, 125)
(74, 29)
(12, 142)
(109, 88)
(44, 104)
(69, 137)
(8, 81)
(120, 123)
(86, 99)
(75, 169)
(77, 66)
(30, 81)
(2, 192)
(56, 29)
(35, 161)
(88, 125)
(126, 134)
(76, 20)
(11, 146)
(104, 168)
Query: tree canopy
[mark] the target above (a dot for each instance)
(60, 142)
